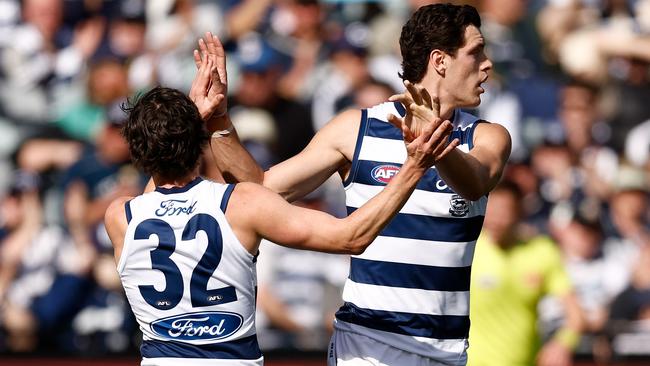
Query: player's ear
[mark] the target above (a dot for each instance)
(438, 61)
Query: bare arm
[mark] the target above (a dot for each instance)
(474, 174)
(293, 226)
(13, 247)
(558, 351)
(329, 151)
(116, 224)
(624, 45)
(233, 161)
(246, 16)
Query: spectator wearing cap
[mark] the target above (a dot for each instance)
(287, 123)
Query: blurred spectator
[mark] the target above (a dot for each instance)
(629, 321)
(95, 180)
(347, 70)
(298, 293)
(288, 123)
(637, 145)
(512, 271)
(630, 206)
(585, 135)
(598, 273)
(629, 100)
(634, 302)
(43, 59)
(38, 259)
(297, 27)
(107, 83)
(371, 93)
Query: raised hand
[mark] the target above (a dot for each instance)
(422, 111)
(210, 86)
(425, 150)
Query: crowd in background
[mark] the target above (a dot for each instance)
(570, 82)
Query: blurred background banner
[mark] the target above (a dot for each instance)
(570, 82)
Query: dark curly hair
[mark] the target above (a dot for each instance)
(165, 133)
(437, 26)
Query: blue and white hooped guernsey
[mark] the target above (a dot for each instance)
(189, 281)
(410, 288)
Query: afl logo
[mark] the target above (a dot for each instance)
(459, 206)
(384, 173)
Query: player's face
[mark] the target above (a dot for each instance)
(468, 70)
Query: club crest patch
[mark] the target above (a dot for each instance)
(458, 206)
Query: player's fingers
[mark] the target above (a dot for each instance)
(205, 76)
(435, 105)
(200, 82)
(439, 133)
(413, 91)
(452, 145)
(221, 59)
(211, 46)
(401, 124)
(426, 97)
(396, 98)
(395, 121)
(203, 48)
(403, 98)
(197, 58)
(441, 148)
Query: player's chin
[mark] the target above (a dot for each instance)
(474, 101)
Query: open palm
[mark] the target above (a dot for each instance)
(210, 86)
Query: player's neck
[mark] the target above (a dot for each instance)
(178, 182)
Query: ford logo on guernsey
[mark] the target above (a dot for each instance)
(207, 325)
(384, 173)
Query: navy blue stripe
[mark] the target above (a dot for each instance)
(383, 129)
(421, 227)
(127, 210)
(427, 183)
(405, 275)
(226, 197)
(470, 134)
(240, 349)
(400, 109)
(182, 189)
(363, 126)
(419, 325)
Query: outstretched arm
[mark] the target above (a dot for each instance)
(293, 226)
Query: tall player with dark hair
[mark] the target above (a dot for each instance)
(407, 296)
(186, 250)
